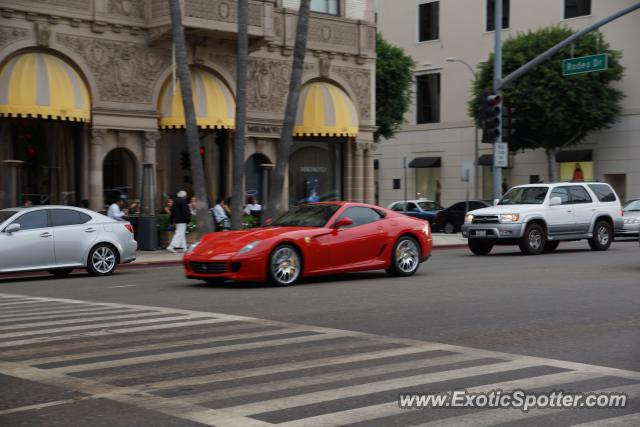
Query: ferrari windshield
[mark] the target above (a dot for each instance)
(524, 196)
(306, 216)
(5, 215)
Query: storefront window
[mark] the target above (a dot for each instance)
(428, 184)
(315, 172)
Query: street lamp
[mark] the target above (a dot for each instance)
(475, 146)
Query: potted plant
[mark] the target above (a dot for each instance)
(165, 230)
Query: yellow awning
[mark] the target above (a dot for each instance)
(212, 99)
(325, 110)
(38, 84)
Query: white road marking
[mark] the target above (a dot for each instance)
(122, 286)
(88, 320)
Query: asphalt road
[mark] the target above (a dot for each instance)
(571, 306)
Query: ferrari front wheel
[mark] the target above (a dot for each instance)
(285, 265)
(405, 258)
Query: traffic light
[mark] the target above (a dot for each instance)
(491, 114)
(508, 122)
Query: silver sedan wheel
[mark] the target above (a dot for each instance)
(103, 260)
(603, 235)
(407, 256)
(285, 265)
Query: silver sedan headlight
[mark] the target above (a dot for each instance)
(249, 247)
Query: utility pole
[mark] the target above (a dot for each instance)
(497, 84)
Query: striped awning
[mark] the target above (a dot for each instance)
(36, 84)
(212, 99)
(325, 110)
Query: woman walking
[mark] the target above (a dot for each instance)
(180, 216)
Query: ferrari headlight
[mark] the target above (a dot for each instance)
(426, 229)
(249, 247)
(192, 247)
(509, 217)
(468, 218)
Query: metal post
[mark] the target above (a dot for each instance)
(404, 164)
(497, 77)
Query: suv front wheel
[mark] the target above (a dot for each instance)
(480, 247)
(601, 239)
(534, 240)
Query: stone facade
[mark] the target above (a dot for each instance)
(122, 49)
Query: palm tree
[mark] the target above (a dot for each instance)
(241, 114)
(205, 222)
(286, 138)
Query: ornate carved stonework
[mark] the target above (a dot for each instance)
(159, 8)
(10, 35)
(336, 33)
(360, 81)
(151, 139)
(225, 62)
(267, 85)
(128, 8)
(97, 136)
(324, 64)
(221, 10)
(43, 33)
(125, 72)
(81, 5)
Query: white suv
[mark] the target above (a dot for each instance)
(538, 216)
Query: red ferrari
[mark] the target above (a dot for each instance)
(311, 240)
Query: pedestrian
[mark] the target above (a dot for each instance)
(168, 204)
(180, 216)
(227, 206)
(27, 203)
(219, 213)
(193, 203)
(116, 210)
(252, 207)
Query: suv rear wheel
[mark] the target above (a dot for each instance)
(480, 247)
(601, 239)
(534, 240)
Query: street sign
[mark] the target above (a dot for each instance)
(500, 155)
(467, 169)
(585, 64)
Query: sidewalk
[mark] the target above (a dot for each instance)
(161, 257)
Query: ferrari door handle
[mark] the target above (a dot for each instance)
(46, 235)
(89, 230)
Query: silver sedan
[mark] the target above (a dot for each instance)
(631, 219)
(60, 238)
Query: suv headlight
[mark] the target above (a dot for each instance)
(468, 218)
(509, 217)
(249, 247)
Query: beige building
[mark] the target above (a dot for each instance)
(88, 102)
(438, 136)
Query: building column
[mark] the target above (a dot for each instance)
(369, 184)
(347, 182)
(96, 187)
(149, 160)
(358, 175)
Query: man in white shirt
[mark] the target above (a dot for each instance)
(218, 212)
(115, 210)
(252, 206)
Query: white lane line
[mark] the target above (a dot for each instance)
(43, 405)
(62, 313)
(373, 387)
(19, 303)
(621, 421)
(108, 332)
(388, 409)
(39, 308)
(493, 417)
(303, 381)
(168, 345)
(191, 353)
(87, 315)
(82, 320)
(122, 286)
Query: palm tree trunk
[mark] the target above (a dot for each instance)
(205, 222)
(551, 164)
(241, 115)
(274, 206)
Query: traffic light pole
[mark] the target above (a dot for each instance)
(497, 83)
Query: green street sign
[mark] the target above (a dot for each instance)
(584, 64)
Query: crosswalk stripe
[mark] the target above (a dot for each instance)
(60, 313)
(391, 408)
(621, 421)
(378, 386)
(82, 320)
(18, 303)
(488, 418)
(53, 317)
(192, 353)
(37, 308)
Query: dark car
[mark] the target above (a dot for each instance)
(451, 219)
(422, 208)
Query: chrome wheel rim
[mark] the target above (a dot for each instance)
(535, 239)
(103, 260)
(603, 235)
(407, 256)
(285, 265)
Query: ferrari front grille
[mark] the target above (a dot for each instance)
(209, 267)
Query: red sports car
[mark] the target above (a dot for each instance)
(311, 240)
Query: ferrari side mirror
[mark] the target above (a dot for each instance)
(343, 222)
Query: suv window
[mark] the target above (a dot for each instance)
(563, 193)
(412, 207)
(524, 196)
(62, 217)
(32, 220)
(603, 192)
(579, 194)
(361, 215)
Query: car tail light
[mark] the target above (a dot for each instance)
(129, 227)
(622, 212)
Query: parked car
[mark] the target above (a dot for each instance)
(59, 239)
(539, 216)
(312, 240)
(451, 219)
(421, 208)
(631, 219)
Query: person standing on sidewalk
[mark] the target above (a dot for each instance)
(180, 216)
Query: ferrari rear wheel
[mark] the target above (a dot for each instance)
(405, 258)
(285, 265)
